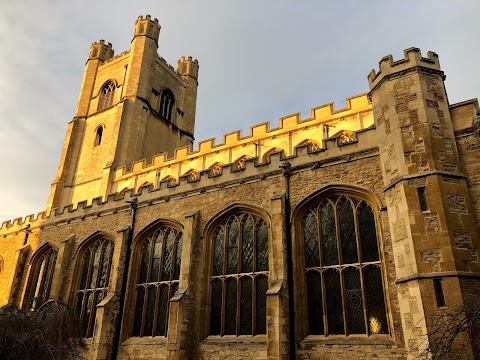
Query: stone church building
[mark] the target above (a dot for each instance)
(332, 237)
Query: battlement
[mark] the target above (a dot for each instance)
(100, 50)
(333, 151)
(145, 26)
(412, 58)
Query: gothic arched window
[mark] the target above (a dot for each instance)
(167, 100)
(342, 268)
(40, 278)
(96, 261)
(157, 280)
(239, 276)
(99, 135)
(106, 95)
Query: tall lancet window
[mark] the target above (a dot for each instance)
(40, 278)
(342, 268)
(106, 95)
(167, 101)
(239, 276)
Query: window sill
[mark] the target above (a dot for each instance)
(380, 339)
(147, 340)
(232, 339)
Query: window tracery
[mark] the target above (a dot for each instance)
(167, 100)
(342, 268)
(157, 281)
(96, 261)
(239, 276)
(40, 279)
(106, 95)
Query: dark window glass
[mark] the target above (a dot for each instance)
(440, 297)
(314, 302)
(97, 262)
(352, 296)
(310, 235)
(159, 270)
(377, 317)
(422, 198)
(329, 234)
(40, 279)
(99, 135)
(238, 302)
(137, 320)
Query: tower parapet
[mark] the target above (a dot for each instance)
(100, 50)
(412, 58)
(188, 67)
(145, 26)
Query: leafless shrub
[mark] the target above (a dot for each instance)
(51, 332)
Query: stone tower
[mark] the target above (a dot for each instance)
(131, 107)
(429, 206)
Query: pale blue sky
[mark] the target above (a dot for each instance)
(259, 60)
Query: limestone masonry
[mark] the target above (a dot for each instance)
(332, 237)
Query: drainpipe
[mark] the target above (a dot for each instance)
(123, 286)
(286, 166)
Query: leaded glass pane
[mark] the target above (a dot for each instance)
(247, 245)
(314, 303)
(137, 320)
(86, 266)
(98, 299)
(150, 311)
(347, 232)
(95, 266)
(78, 306)
(216, 308)
(329, 234)
(178, 258)
(377, 317)
(87, 313)
(262, 246)
(354, 301)
(105, 268)
(310, 236)
(232, 247)
(168, 256)
(157, 256)
(261, 304)
(246, 305)
(231, 307)
(368, 233)
(143, 272)
(334, 302)
(47, 278)
(162, 312)
(218, 251)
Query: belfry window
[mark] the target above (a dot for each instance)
(167, 100)
(342, 268)
(40, 279)
(158, 276)
(106, 95)
(239, 276)
(96, 264)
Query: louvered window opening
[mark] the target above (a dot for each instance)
(167, 100)
(106, 96)
(40, 280)
(239, 280)
(158, 277)
(97, 261)
(343, 269)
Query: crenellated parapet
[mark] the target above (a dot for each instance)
(145, 26)
(188, 67)
(100, 50)
(412, 59)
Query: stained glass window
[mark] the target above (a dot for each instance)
(239, 280)
(40, 279)
(343, 279)
(158, 275)
(97, 261)
(106, 95)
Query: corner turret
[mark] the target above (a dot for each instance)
(188, 67)
(101, 51)
(147, 27)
